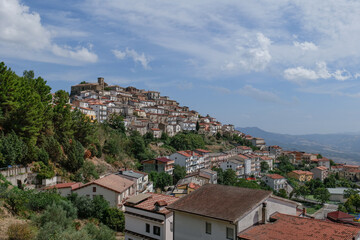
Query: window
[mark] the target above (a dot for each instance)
(156, 230)
(94, 189)
(208, 228)
(147, 226)
(229, 233)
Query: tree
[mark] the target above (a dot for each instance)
(114, 218)
(116, 121)
(179, 172)
(229, 177)
(314, 184)
(12, 149)
(75, 155)
(319, 156)
(285, 165)
(322, 195)
(264, 166)
(62, 117)
(349, 192)
(163, 180)
(282, 193)
(302, 191)
(354, 200)
(197, 126)
(330, 181)
(220, 175)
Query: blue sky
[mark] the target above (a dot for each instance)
(284, 66)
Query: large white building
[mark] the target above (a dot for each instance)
(191, 160)
(275, 181)
(239, 163)
(147, 218)
(141, 179)
(222, 212)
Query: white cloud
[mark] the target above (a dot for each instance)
(301, 74)
(136, 57)
(258, 57)
(80, 54)
(258, 94)
(305, 46)
(341, 75)
(21, 29)
(119, 54)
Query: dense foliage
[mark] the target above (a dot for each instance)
(54, 216)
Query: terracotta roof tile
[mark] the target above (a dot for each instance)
(71, 185)
(149, 203)
(163, 159)
(338, 215)
(112, 182)
(275, 176)
(292, 227)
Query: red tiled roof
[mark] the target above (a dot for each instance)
(275, 176)
(149, 204)
(323, 168)
(338, 215)
(292, 227)
(203, 150)
(163, 159)
(184, 153)
(112, 182)
(244, 147)
(300, 172)
(194, 185)
(71, 185)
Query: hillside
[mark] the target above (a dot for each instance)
(340, 147)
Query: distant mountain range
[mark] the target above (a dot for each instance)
(344, 147)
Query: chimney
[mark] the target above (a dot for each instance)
(160, 205)
(304, 212)
(263, 212)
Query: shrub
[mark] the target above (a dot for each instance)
(114, 219)
(20, 231)
(99, 233)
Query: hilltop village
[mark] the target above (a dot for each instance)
(246, 191)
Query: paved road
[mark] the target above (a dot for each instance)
(322, 213)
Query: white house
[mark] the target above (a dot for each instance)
(100, 110)
(191, 160)
(113, 188)
(147, 218)
(320, 173)
(239, 163)
(275, 181)
(221, 212)
(64, 189)
(141, 180)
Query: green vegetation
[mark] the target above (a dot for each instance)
(161, 180)
(313, 208)
(55, 217)
(228, 177)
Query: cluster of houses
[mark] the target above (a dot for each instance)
(197, 207)
(144, 111)
(211, 211)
